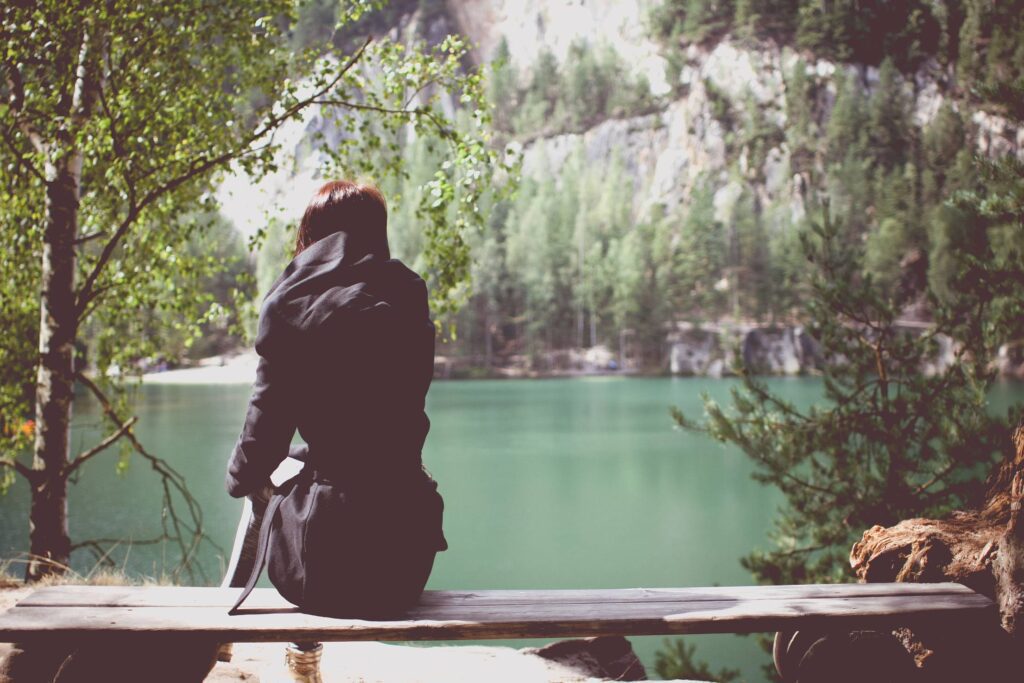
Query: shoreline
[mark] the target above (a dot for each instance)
(241, 369)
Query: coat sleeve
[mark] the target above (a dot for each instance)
(269, 426)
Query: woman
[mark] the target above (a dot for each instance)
(346, 354)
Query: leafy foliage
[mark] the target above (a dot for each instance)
(150, 103)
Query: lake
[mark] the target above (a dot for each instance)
(557, 483)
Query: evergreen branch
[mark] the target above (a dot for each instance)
(85, 456)
(939, 476)
(801, 551)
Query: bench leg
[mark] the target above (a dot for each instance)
(303, 661)
(152, 659)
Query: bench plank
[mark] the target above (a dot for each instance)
(98, 612)
(181, 596)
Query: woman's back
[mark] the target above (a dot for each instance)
(346, 350)
(354, 334)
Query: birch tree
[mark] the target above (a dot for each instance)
(116, 119)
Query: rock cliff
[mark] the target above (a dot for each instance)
(706, 96)
(667, 153)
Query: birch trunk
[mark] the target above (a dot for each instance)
(49, 543)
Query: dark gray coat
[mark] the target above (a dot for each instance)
(346, 348)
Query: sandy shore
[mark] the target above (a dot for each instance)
(239, 369)
(385, 663)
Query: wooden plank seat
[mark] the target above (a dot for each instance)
(86, 613)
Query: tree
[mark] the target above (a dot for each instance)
(116, 119)
(889, 118)
(701, 258)
(707, 19)
(776, 18)
(845, 132)
(890, 441)
(503, 86)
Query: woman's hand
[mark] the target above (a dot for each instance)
(261, 497)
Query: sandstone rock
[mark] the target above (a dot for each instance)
(605, 657)
(694, 352)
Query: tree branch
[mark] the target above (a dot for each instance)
(417, 111)
(198, 167)
(85, 456)
(86, 238)
(16, 102)
(187, 535)
(20, 468)
(29, 166)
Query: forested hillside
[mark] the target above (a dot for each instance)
(641, 207)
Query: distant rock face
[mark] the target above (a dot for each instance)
(696, 352)
(766, 350)
(530, 26)
(667, 153)
(1010, 360)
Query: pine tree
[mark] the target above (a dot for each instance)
(887, 443)
(706, 19)
(502, 88)
(801, 128)
(943, 140)
(701, 257)
(847, 123)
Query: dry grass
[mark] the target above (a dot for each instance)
(13, 587)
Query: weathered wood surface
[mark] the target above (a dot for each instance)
(183, 596)
(102, 611)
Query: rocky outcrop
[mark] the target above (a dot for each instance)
(697, 351)
(711, 350)
(530, 26)
(1010, 360)
(687, 142)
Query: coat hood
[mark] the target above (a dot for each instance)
(336, 275)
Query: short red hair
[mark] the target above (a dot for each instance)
(343, 206)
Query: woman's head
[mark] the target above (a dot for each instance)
(360, 211)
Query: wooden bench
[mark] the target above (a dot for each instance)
(87, 614)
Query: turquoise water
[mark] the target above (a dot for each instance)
(560, 483)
